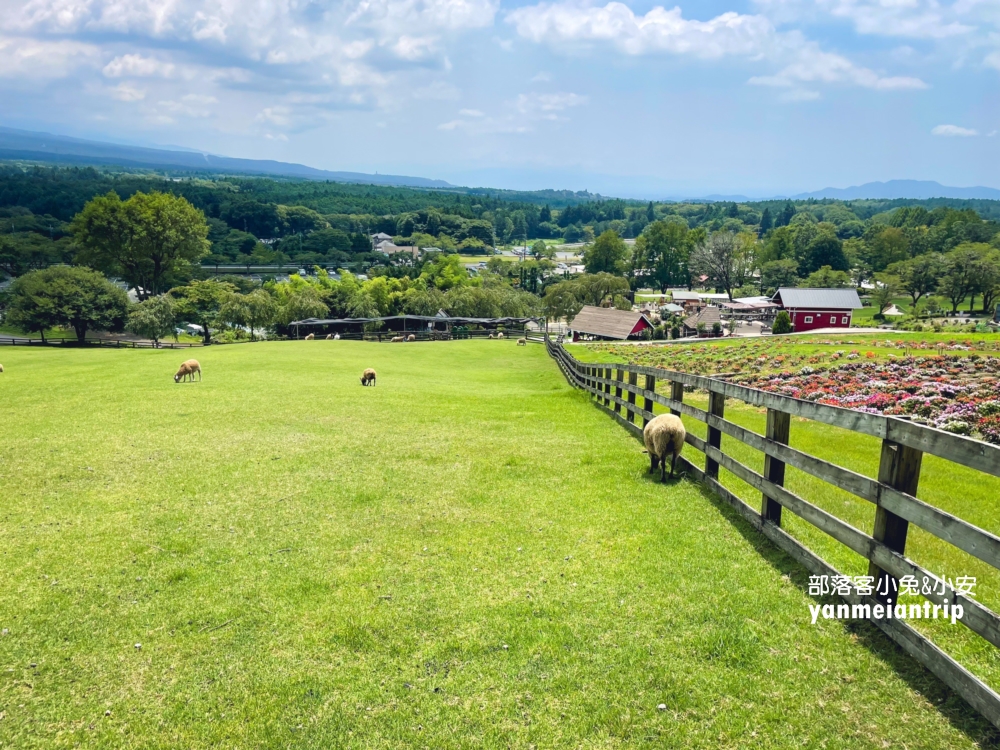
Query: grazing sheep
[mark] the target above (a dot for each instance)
(329, 337)
(663, 436)
(336, 337)
(500, 335)
(522, 342)
(491, 335)
(368, 377)
(1, 368)
(187, 370)
(411, 337)
(397, 340)
(310, 337)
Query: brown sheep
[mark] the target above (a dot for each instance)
(187, 370)
(311, 337)
(411, 337)
(397, 340)
(368, 377)
(522, 342)
(663, 436)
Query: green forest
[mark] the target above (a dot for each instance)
(67, 231)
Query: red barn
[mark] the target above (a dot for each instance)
(818, 308)
(608, 323)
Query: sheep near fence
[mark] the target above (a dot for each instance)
(893, 493)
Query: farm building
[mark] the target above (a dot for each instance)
(818, 308)
(706, 318)
(608, 323)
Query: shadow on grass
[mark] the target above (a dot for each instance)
(951, 705)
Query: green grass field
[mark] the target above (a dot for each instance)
(467, 555)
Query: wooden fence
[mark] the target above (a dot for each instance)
(100, 343)
(616, 390)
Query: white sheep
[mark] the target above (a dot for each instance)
(1, 368)
(500, 335)
(491, 336)
(411, 337)
(336, 337)
(663, 436)
(368, 377)
(397, 340)
(522, 342)
(329, 337)
(187, 370)
(310, 337)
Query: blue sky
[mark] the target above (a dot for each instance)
(759, 97)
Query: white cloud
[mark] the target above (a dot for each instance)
(23, 57)
(547, 106)
(729, 34)
(812, 65)
(279, 115)
(470, 113)
(137, 66)
(914, 19)
(953, 131)
(408, 16)
(659, 30)
(125, 92)
(451, 124)
(799, 95)
(414, 47)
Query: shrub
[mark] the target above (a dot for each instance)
(782, 323)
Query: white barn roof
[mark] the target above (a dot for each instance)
(821, 299)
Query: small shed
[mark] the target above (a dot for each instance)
(608, 323)
(707, 317)
(818, 308)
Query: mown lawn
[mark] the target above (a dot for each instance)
(467, 555)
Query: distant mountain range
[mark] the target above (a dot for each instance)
(916, 189)
(61, 149)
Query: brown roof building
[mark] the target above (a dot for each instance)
(608, 323)
(708, 316)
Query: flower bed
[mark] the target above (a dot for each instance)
(951, 384)
(960, 394)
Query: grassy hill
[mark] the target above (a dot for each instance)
(467, 555)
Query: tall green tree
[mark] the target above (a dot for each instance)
(919, 276)
(69, 296)
(959, 278)
(606, 255)
(561, 301)
(827, 278)
(147, 239)
(200, 303)
(662, 253)
(726, 258)
(153, 319)
(776, 274)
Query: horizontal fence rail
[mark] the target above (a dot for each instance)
(616, 390)
(105, 343)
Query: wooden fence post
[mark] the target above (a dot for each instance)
(633, 379)
(899, 467)
(676, 394)
(648, 402)
(618, 390)
(607, 387)
(716, 407)
(778, 424)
